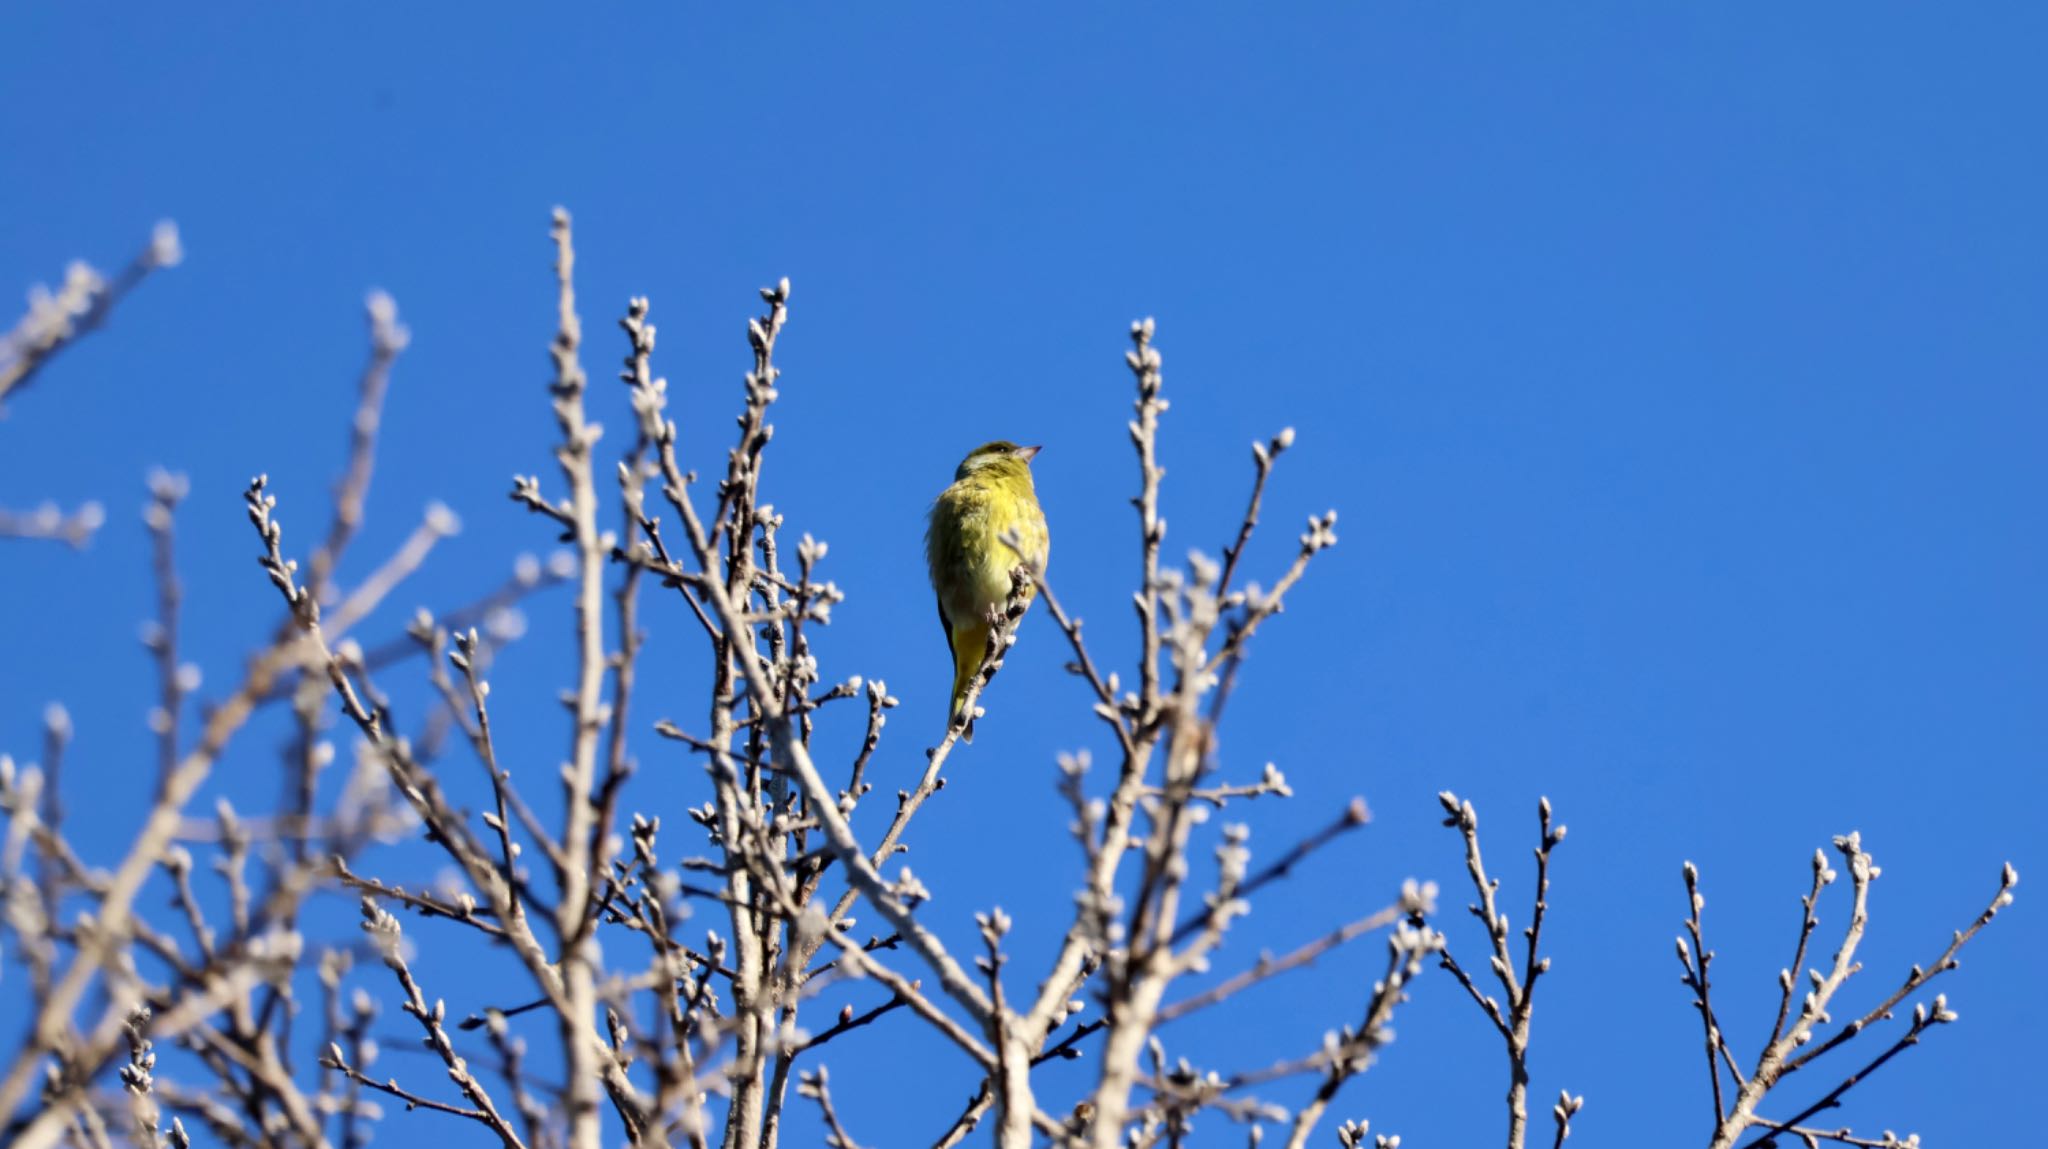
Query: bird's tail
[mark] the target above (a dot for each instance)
(970, 644)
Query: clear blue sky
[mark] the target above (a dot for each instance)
(1678, 376)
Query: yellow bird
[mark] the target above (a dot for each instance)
(991, 496)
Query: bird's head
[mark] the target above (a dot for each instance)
(1001, 458)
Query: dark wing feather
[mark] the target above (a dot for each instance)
(940, 541)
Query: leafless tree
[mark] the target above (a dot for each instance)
(665, 1035)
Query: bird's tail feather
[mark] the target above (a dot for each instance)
(970, 644)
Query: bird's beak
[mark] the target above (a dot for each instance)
(1029, 453)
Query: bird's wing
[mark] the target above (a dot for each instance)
(941, 552)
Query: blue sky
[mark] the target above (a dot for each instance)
(1677, 375)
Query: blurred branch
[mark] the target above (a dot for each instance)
(174, 679)
(77, 308)
(814, 1087)
(387, 339)
(48, 524)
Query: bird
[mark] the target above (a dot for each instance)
(991, 497)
